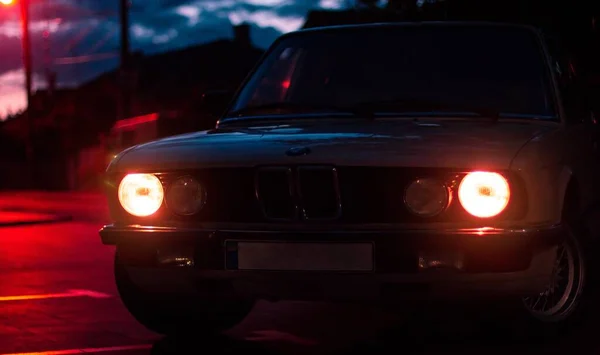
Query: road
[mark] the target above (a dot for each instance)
(57, 296)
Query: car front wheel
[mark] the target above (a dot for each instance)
(564, 294)
(568, 299)
(169, 315)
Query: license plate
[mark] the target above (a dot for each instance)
(285, 256)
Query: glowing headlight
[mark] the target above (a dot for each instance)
(186, 196)
(484, 194)
(427, 197)
(141, 194)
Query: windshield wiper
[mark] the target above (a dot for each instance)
(296, 107)
(412, 105)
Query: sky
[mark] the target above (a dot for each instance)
(79, 39)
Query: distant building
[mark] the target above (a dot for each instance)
(69, 121)
(174, 81)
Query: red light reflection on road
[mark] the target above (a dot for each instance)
(70, 293)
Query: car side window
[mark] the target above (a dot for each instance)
(573, 93)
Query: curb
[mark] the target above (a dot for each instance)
(54, 219)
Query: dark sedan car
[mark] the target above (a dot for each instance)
(369, 163)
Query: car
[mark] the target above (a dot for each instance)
(379, 163)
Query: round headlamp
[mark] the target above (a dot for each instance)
(427, 197)
(186, 196)
(141, 194)
(484, 194)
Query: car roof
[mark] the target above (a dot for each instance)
(392, 25)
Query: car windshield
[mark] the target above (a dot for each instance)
(432, 70)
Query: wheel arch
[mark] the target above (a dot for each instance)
(575, 208)
(571, 203)
(569, 192)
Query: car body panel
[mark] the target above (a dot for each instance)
(471, 144)
(505, 274)
(551, 162)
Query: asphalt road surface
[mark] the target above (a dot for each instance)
(57, 296)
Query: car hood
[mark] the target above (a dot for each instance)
(458, 144)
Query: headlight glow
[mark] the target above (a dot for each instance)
(484, 194)
(141, 194)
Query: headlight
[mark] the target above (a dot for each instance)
(186, 196)
(427, 197)
(484, 194)
(141, 194)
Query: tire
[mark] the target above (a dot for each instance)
(168, 315)
(572, 291)
(562, 301)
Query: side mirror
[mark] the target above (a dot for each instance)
(216, 102)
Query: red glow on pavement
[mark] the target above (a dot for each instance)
(71, 293)
(21, 217)
(129, 122)
(89, 350)
(269, 335)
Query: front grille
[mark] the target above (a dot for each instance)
(314, 194)
(302, 193)
(275, 193)
(319, 195)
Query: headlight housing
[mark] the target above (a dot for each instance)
(141, 194)
(484, 194)
(186, 196)
(427, 197)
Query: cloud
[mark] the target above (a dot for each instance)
(12, 92)
(332, 4)
(166, 37)
(190, 12)
(141, 32)
(267, 2)
(266, 18)
(10, 47)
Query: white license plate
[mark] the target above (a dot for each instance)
(286, 256)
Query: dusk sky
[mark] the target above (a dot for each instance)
(83, 35)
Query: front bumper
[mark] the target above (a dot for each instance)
(407, 263)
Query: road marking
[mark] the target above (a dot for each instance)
(275, 335)
(70, 293)
(88, 350)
